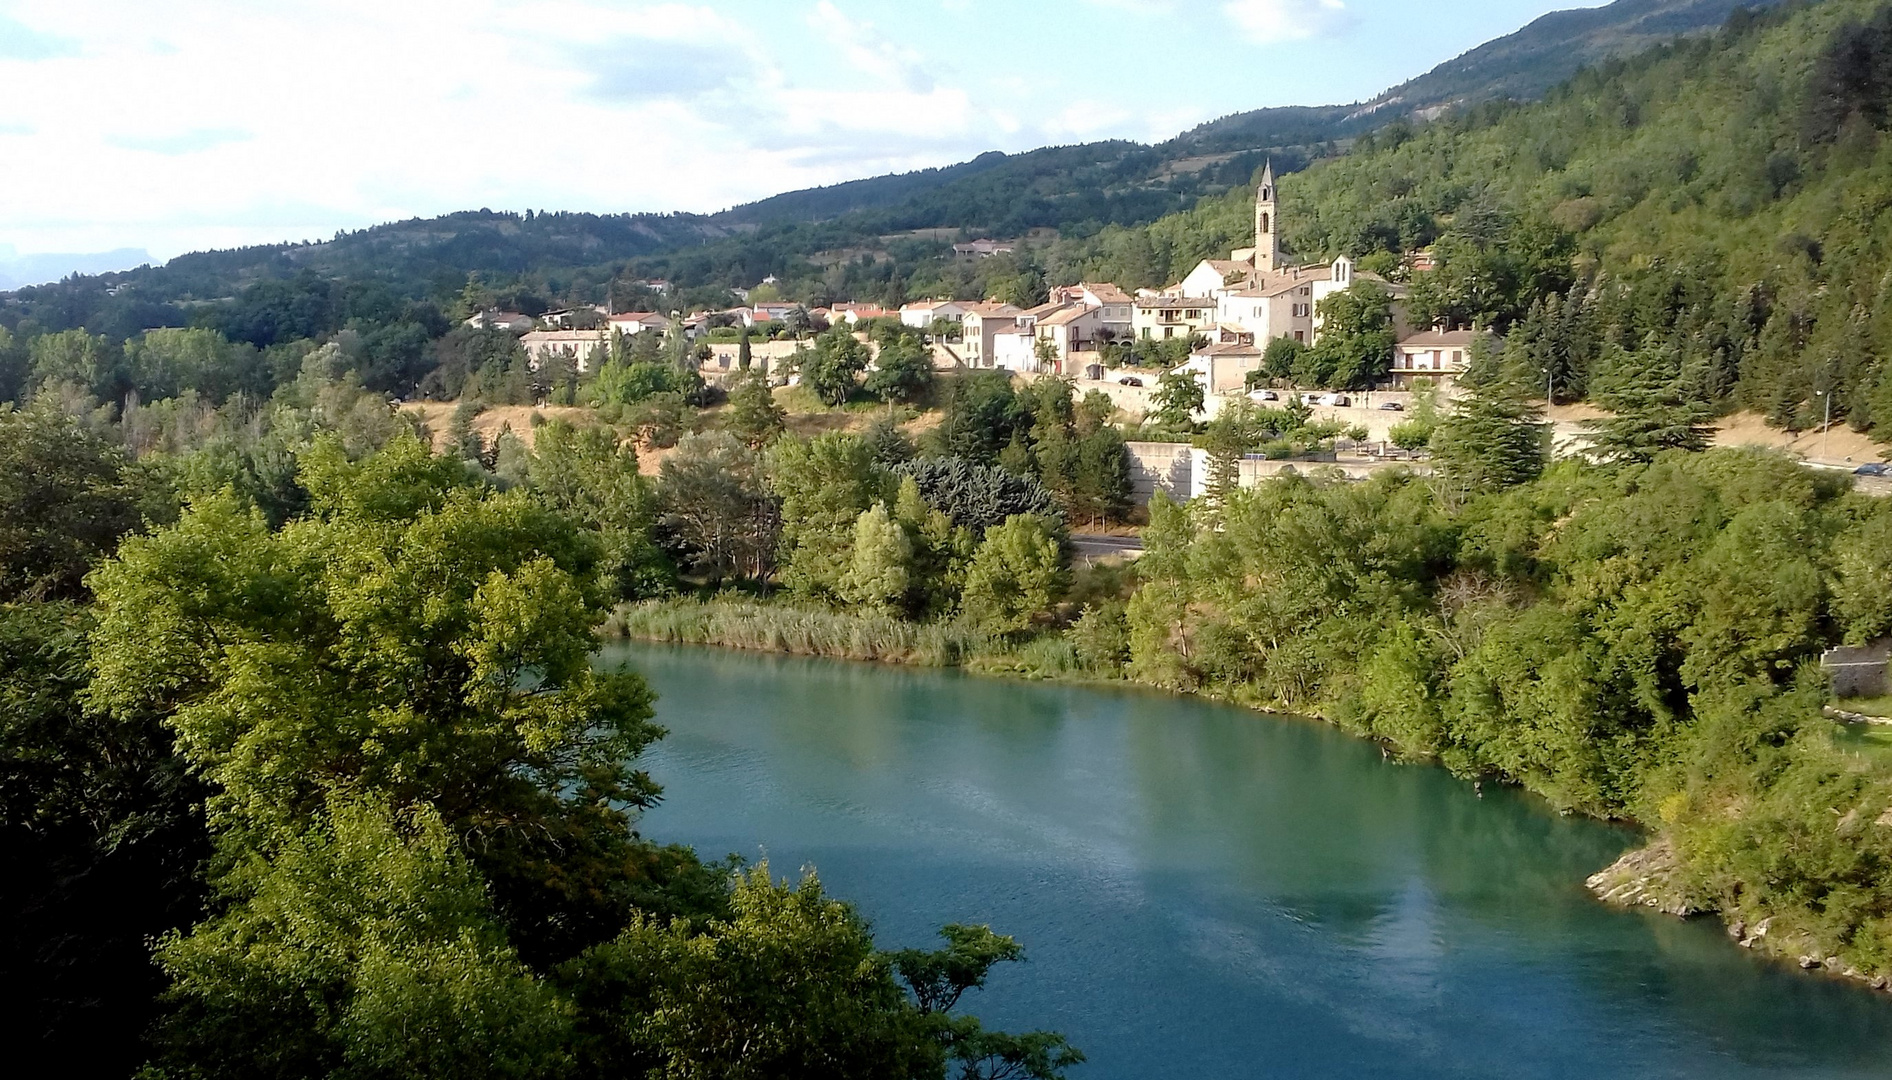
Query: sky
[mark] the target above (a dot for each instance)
(193, 124)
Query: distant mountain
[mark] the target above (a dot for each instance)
(1523, 66)
(18, 271)
(1077, 190)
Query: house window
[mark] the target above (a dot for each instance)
(1457, 356)
(1146, 333)
(1301, 336)
(1169, 331)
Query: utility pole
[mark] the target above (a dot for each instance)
(1826, 426)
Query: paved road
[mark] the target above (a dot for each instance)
(1096, 547)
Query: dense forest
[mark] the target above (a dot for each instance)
(305, 769)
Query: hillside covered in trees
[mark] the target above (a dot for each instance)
(872, 239)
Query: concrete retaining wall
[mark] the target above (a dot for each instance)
(1182, 471)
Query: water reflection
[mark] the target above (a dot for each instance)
(1210, 893)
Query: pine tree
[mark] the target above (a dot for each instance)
(1495, 438)
(1651, 408)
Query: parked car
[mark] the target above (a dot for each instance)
(1392, 406)
(1263, 395)
(1874, 468)
(1130, 380)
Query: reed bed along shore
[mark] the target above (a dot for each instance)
(758, 626)
(799, 631)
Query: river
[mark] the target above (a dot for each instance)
(1203, 892)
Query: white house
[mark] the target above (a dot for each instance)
(1222, 368)
(852, 314)
(1014, 348)
(1116, 309)
(1212, 277)
(980, 323)
(922, 314)
(583, 346)
(634, 323)
(582, 317)
(1072, 328)
(1439, 356)
(984, 249)
(512, 321)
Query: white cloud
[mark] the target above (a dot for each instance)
(198, 123)
(1271, 22)
(870, 52)
(222, 122)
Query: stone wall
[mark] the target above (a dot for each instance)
(1858, 673)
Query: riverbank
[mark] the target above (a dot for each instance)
(1658, 875)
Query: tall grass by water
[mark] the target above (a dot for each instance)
(742, 623)
(801, 631)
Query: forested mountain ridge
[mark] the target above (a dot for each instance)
(1715, 208)
(1078, 190)
(1528, 64)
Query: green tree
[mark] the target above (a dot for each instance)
(1178, 398)
(1231, 436)
(1282, 359)
(1103, 489)
(978, 497)
(65, 500)
(588, 475)
(717, 510)
(74, 358)
(1650, 405)
(287, 662)
(977, 417)
(754, 417)
(364, 945)
(1016, 575)
(880, 575)
(825, 484)
(1355, 346)
(902, 372)
(831, 369)
(1494, 438)
(103, 843)
(1422, 419)
(891, 444)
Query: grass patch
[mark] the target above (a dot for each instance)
(1872, 741)
(1874, 706)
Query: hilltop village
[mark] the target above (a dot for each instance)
(1216, 324)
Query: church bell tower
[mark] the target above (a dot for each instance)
(1267, 224)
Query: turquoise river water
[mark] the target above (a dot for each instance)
(1203, 892)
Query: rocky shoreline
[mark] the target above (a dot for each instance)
(1649, 877)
